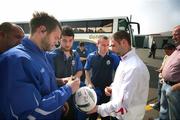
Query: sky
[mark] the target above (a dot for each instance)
(154, 16)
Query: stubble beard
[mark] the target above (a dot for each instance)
(45, 44)
(66, 49)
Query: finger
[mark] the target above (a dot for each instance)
(77, 81)
(108, 94)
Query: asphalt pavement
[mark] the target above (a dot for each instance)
(153, 65)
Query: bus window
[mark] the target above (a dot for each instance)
(90, 30)
(77, 26)
(25, 27)
(104, 26)
(122, 24)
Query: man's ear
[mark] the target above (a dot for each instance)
(123, 41)
(42, 29)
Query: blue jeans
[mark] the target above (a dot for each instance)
(159, 91)
(170, 105)
(174, 105)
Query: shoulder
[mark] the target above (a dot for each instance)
(17, 52)
(77, 49)
(75, 53)
(86, 50)
(114, 56)
(135, 63)
(16, 56)
(56, 52)
(92, 55)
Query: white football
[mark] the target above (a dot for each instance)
(85, 99)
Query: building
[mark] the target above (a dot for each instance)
(145, 41)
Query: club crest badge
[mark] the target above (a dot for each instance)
(73, 62)
(108, 62)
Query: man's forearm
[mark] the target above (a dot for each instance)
(88, 80)
(78, 74)
(176, 87)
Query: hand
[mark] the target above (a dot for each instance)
(108, 91)
(94, 110)
(62, 81)
(65, 108)
(91, 86)
(74, 84)
(168, 91)
(173, 88)
(161, 81)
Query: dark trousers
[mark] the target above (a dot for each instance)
(101, 98)
(159, 92)
(152, 53)
(74, 113)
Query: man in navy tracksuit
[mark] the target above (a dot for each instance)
(28, 88)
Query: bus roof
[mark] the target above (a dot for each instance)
(83, 19)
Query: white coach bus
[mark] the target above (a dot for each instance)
(90, 29)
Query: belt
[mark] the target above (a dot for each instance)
(171, 83)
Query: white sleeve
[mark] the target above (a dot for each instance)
(128, 89)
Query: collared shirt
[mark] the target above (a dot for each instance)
(129, 90)
(28, 88)
(102, 68)
(171, 70)
(83, 54)
(162, 65)
(63, 66)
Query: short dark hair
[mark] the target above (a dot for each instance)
(81, 44)
(6, 27)
(103, 37)
(169, 46)
(118, 36)
(9, 28)
(67, 31)
(42, 18)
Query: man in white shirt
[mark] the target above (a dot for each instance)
(129, 91)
